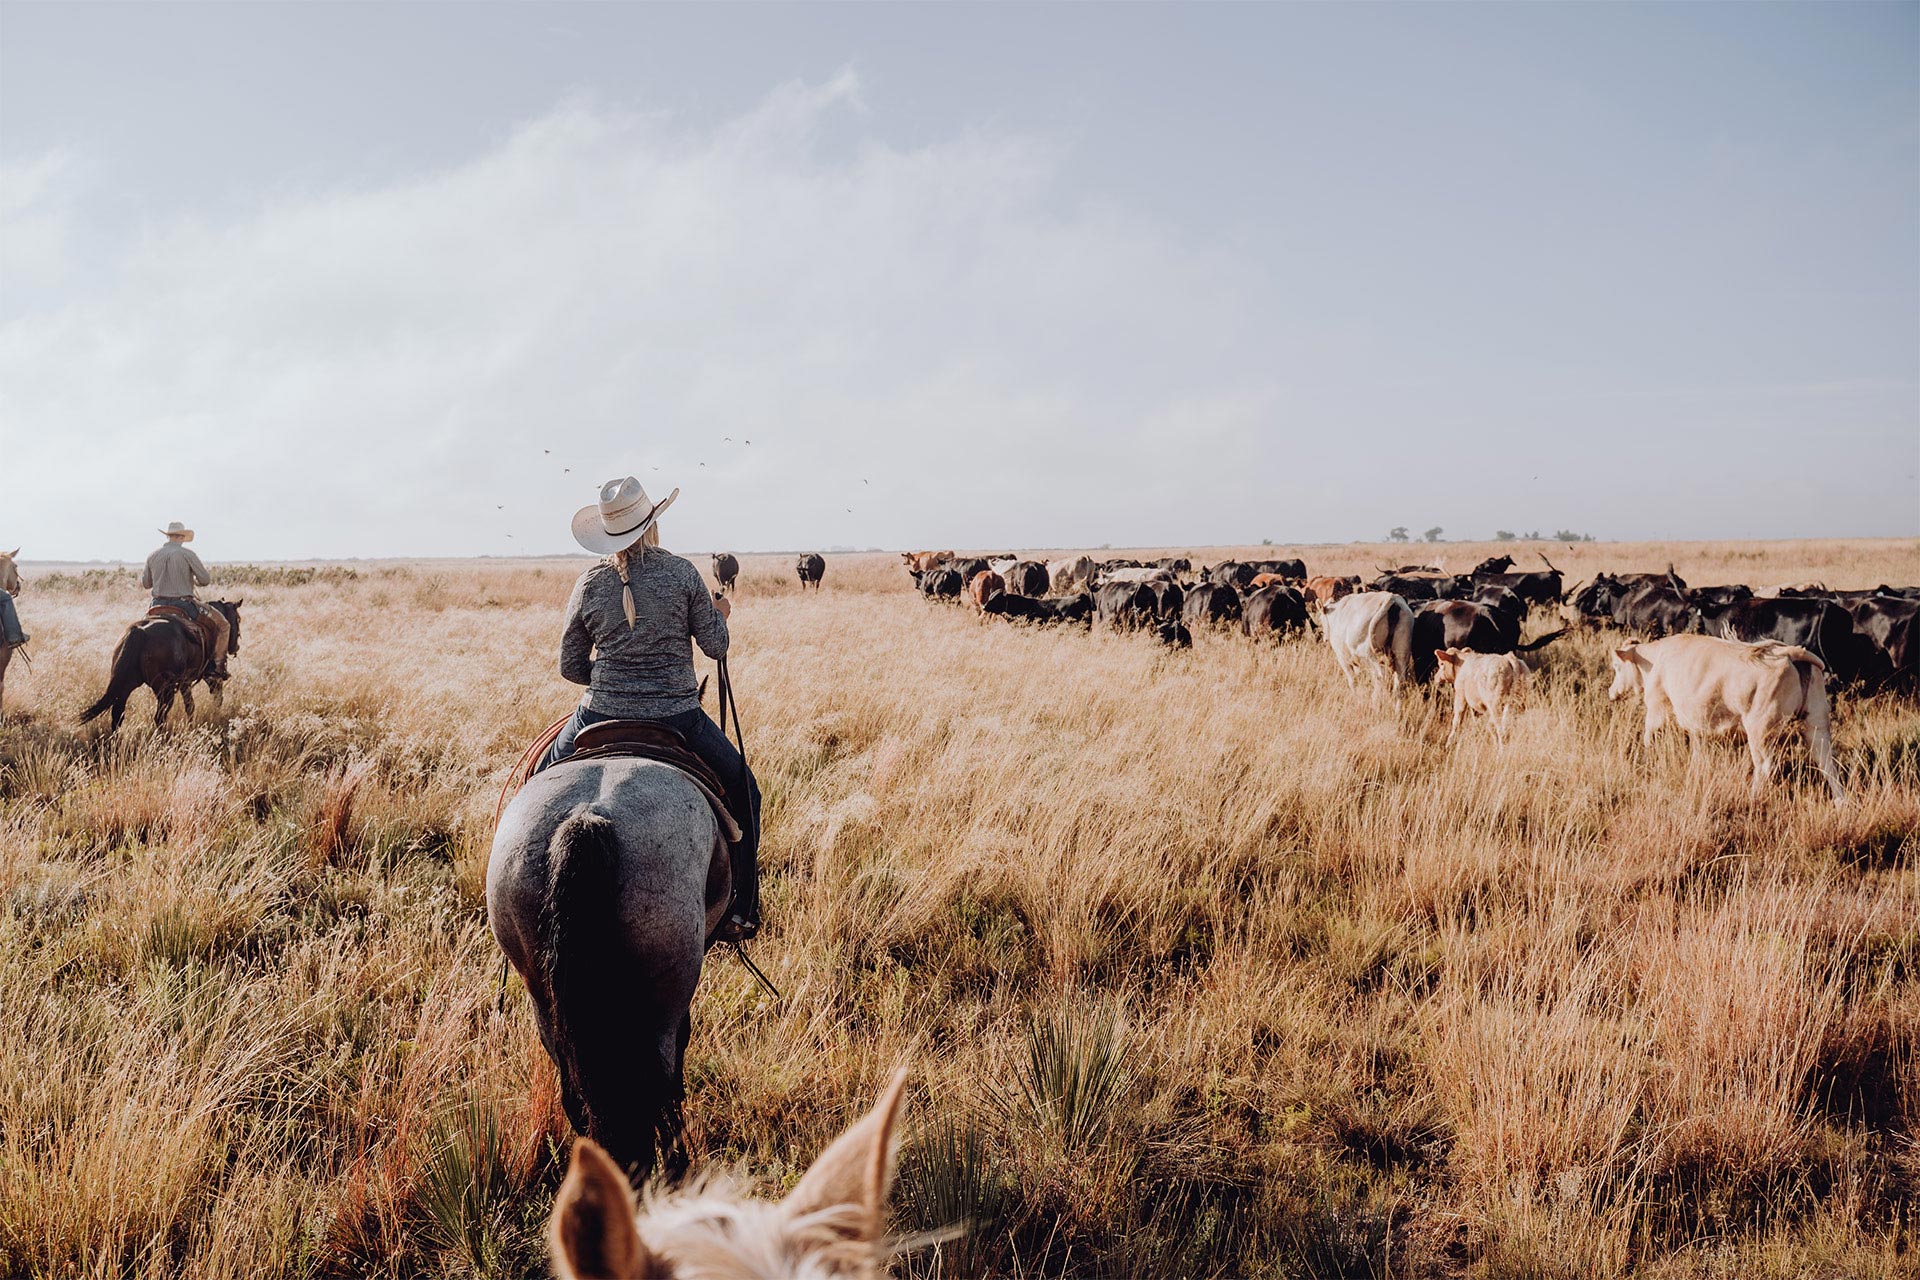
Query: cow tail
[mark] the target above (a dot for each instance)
(125, 674)
(1402, 641)
(1813, 683)
(618, 1085)
(1540, 642)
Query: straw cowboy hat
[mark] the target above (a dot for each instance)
(178, 530)
(621, 517)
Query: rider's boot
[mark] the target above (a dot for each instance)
(215, 626)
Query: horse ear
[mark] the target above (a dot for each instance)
(593, 1233)
(857, 1170)
(13, 553)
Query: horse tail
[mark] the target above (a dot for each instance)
(125, 677)
(599, 1018)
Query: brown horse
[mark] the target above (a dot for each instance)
(9, 583)
(168, 655)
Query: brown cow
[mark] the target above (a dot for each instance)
(922, 561)
(1323, 590)
(984, 586)
(1268, 580)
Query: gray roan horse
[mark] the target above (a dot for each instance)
(607, 877)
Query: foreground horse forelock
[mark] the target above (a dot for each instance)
(832, 1224)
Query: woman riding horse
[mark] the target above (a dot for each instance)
(611, 875)
(629, 634)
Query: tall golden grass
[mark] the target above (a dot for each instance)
(1204, 964)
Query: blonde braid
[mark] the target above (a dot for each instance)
(619, 562)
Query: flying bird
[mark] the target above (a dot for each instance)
(546, 451)
(728, 439)
(749, 442)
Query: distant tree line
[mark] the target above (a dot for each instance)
(1399, 533)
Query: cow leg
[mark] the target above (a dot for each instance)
(1820, 747)
(162, 704)
(1459, 705)
(186, 698)
(1759, 748)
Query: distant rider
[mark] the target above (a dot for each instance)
(172, 573)
(629, 634)
(11, 636)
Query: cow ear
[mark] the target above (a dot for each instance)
(1626, 654)
(1449, 656)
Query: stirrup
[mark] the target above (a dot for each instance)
(736, 929)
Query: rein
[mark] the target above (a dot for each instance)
(523, 769)
(728, 706)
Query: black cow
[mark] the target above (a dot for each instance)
(1493, 564)
(1655, 609)
(1027, 578)
(1717, 597)
(1821, 627)
(940, 584)
(1073, 608)
(1168, 596)
(1502, 600)
(811, 567)
(1176, 564)
(1423, 586)
(1005, 604)
(1211, 605)
(1231, 573)
(1125, 606)
(726, 570)
(1174, 634)
(1884, 643)
(1108, 566)
(1459, 624)
(1283, 568)
(1276, 610)
(1600, 600)
(969, 566)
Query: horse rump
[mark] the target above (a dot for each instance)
(619, 1087)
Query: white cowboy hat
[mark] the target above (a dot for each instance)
(621, 517)
(178, 530)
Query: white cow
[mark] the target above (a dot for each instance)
(1712, 688)
(1070, 574)
(1371, 629)
(1490, 684)
(1001, 566)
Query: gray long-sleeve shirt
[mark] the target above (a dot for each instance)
(174, 570)
(647, 671)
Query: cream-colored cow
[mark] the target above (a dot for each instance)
(1371, 631)
(1490, 684)
(1713, 688)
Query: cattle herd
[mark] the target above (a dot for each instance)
(1419, 624)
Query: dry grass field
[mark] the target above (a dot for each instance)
(1204, 964)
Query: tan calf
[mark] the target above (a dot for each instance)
(1714, 688)
(1493, 685)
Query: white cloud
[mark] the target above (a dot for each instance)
(373, 371)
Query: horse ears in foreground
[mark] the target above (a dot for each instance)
(595, 1231)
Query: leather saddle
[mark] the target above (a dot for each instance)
(198, 627)
(646, 740)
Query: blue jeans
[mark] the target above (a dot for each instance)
(740, 790)
(10, 631)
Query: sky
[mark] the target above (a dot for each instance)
(366, 280)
